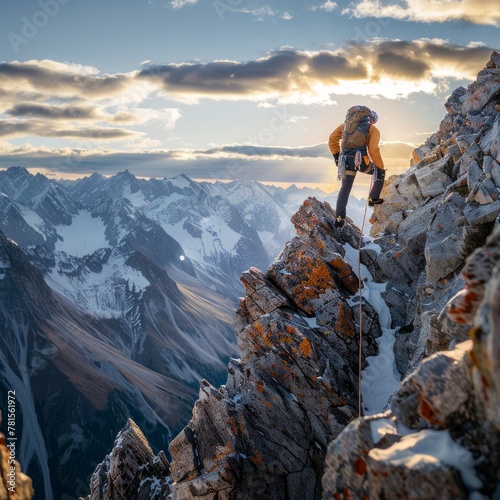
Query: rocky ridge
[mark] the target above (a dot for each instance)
(266, 431)
(440, 228)
(279, 428)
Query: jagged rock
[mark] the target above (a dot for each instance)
(412, 234)
(131, 470)
(454, 103)
(433, 393)
(265, 433)
(453, 393)
(14, 484)
(371, 459)
(432, 179)
(462, 308)
(477, 215)
(492, 169)
(412, 450)
(479, 301)
(452, 396)
(444, 245)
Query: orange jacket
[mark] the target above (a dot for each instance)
(372, 144)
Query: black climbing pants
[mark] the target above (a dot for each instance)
(345, 190)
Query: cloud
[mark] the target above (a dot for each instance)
(473, 11)
(47, 99)
(257, 152)
(52, 99)
(328, 6)
(258, 13)
(14, 128)
(310, 164)
(283, 71)
(35, 110)
(63, 80)
(389, 68)
(424, 59)
(178, 4)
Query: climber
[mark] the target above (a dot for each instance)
(357, 134)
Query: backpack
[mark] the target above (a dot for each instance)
(356, 125)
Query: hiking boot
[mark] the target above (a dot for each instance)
(339, 222)
(376, 201)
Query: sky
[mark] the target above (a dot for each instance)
(227, 89)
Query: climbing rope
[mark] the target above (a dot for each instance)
(360, 284)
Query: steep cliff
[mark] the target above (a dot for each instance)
(284, 425)
(440, 227)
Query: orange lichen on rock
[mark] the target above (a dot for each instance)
(305, 347)
(256, 458)
(317, 280)
(345, 326)
(463, 306)
(342, 268)
(223, 451)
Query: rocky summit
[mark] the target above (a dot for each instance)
(286, 424)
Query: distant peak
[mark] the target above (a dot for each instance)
(16, 170)
(125, 175)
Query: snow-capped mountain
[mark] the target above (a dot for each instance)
(75, 376)
(268, 208)
(118, 296)
(94, 328)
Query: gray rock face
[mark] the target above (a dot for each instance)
(451, 396)
(438, 212)
(365, 461)
(264, 433)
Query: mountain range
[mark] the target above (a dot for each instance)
(116, 297)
